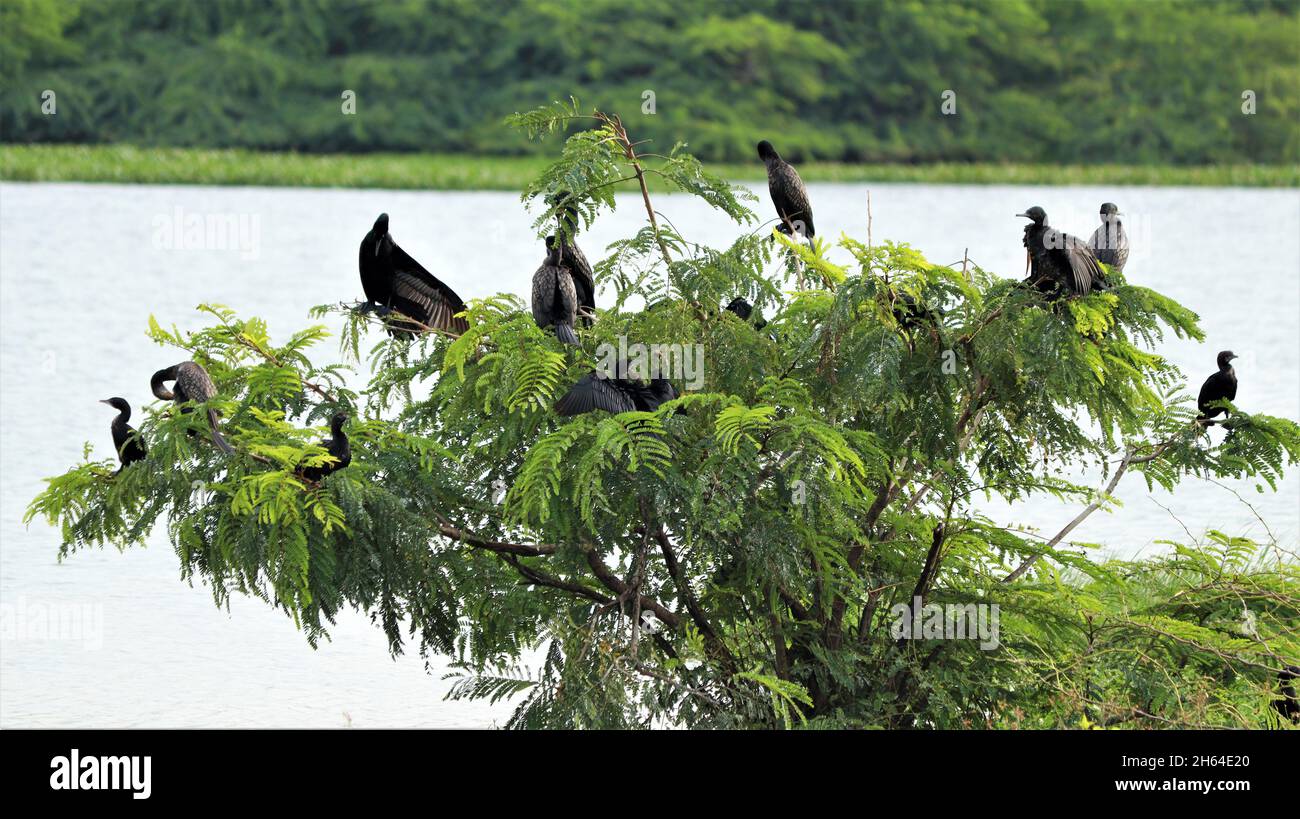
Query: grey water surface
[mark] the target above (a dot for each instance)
(110, 639)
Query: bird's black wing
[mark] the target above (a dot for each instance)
(418, 294)
(555, 302)
(1121, 249)
(740, 307)
(1216, 388)
(1110, 245)
(1207, 393)
(790, 196)
(592, 393)
(1084, 269)
(650, 396)
(129, 444)
(583, 277)
(543, 296)
(194, 383)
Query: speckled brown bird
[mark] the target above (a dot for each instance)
(192, 384)
(555, 297)
(789, 194)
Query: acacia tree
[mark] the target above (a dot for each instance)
(735, 558)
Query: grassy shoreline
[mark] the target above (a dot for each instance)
(199, 166)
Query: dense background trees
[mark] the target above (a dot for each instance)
(1036, 80)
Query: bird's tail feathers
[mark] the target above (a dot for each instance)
(564, 332)
(217, 437)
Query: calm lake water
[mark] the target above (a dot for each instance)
(82, 267)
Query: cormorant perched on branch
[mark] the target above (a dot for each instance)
(1109, 242)
(595, 391)
(572, 257)
(1060, 262)
(1218, 387)
(555, 298)
(742, 308)
(128, 443)
(192, 384)
(393, 280)
(337, 445)
(912, 314)
(1288, 705)
(789, 194)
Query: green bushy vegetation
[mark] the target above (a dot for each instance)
(1036, 81)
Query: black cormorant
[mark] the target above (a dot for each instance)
(595, 391)
(128, 443)
(913, 314)
(789, 194)
(1109, 242)
(1288, 705)
(555, 298)
(337, 445)
(742, 308)
(192, 384)
(392, 280)
(572, 257)
(1218, 387)
(1061, 263)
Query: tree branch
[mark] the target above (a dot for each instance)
(524, 550)
(1130, 458)
(629, 152)
(683, 587)
(614, 584)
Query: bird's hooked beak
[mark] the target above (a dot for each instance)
(1026, 215)
(106, 401)
(1231, 356)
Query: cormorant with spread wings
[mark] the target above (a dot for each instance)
(393, 280)
(1060, 263)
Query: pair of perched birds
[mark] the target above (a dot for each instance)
(564, 287)
(1064, 264)
(191, 383)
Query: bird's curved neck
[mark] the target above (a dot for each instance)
(156, 383)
